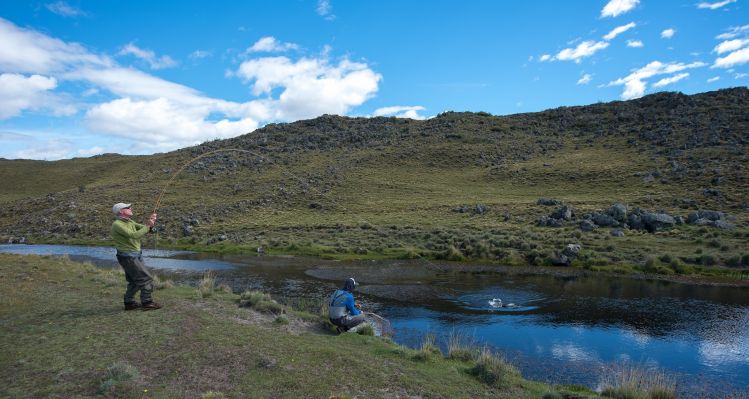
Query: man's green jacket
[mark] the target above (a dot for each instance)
(126, 235)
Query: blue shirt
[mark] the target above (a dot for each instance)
(345, 298)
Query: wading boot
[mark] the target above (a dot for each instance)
(150, 306)
(132, 306)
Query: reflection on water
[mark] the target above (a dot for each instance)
(564, 329)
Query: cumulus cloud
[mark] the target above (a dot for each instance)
(713, 79)
(585, 79)
(149, 56)
(668, 33)
(584, 49)
(398, 111)
(324, 9)
(671, 79)
(64, 9)
(545, 57)
(734, 32)
(269, 44)
(736, 58)
(160, 115)
(19, 92)
(617, 7)
(48, 150)
(731, 45)
(716, 5)
(28, 51)
(198, 54)
(309, 86)
(619, 30)
(635, 83)
(634, 43)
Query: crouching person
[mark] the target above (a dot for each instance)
(126, 235)
(343, 311)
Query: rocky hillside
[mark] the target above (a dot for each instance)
(460, 185)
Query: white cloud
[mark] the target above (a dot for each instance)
(87, 152)
(740, 75)
(584, 49)
(64, 9)
(8, 136)
(160, 122)
(27, 51)
(731, 45)
(401, 112)
(671, 79)
(634, 43)
(619, 30)
(269, 44)
(324, 9)
(713, 79)
(635, 83)
(149, 56)
(733, 32)
(310, 86)
(159, 115)
(668, 33)
(198, 54)
(716, 5)
(49, 150)
(545, 57)
(738, 57)
(617, 7)
(19, 93)
(585, 79)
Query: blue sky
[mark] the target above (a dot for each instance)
(80, 78)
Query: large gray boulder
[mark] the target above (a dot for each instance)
(545, 221)
(587, 225)
(548, 202)
(658, 221)
(705, 214)
(604, 220)
(618, 212)
(564, 212)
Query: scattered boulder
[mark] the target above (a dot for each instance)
(711, 192)
(604, 220)
(587, 225)
(618, 212)
(722, 224)
(569, 253)
(564, 212)
(705, 214)
(617, 233)
(657, 221)
(548, 202)
(545, 221)
(187, 230)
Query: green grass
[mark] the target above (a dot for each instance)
(65, 335)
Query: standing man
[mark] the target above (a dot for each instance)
(342, 310)
(126, 235)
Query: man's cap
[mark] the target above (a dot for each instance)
(118, 207)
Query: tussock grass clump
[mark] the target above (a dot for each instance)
(160, 284)
(428, 349)
(630, 382)
(281, 320)
(261, 302)
(117, 373)
(366, 329)
(212, 395)
(461, 348)
(110, 277)
(207, 284)
(492, 369)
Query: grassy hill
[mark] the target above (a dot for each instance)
(460, 186)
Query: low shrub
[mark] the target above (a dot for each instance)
(117, 373)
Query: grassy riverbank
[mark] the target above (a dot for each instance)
(65, 334)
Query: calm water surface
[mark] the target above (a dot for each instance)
(563, 329)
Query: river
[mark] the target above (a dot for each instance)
(564, 328)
